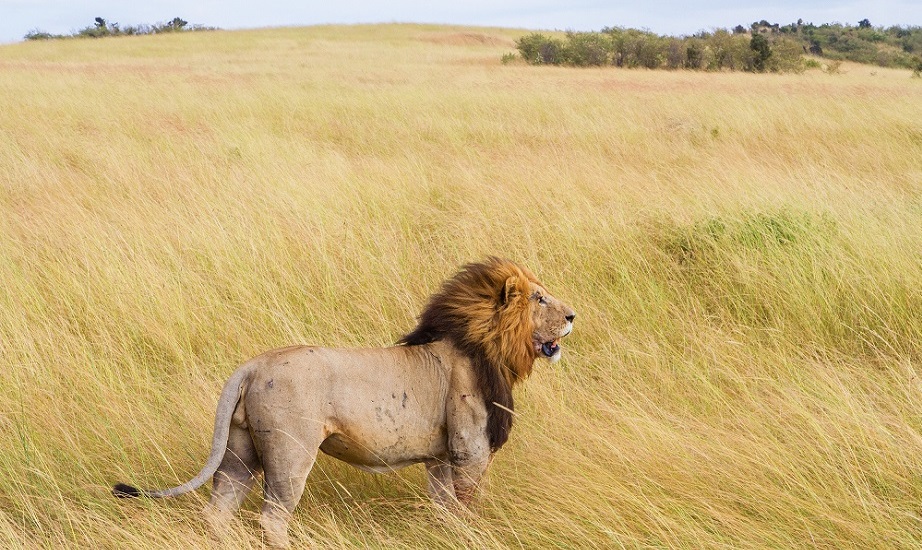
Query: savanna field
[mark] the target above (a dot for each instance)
(744, 252)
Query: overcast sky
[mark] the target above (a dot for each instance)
(17, 17)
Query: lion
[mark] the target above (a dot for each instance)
(442, 396)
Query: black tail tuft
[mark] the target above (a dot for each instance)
(125, 491)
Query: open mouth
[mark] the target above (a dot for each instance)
(549, 349)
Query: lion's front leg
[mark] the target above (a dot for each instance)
(469, 450)
(467, 474)
(440, 483)
(452, 484)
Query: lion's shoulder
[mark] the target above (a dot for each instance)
(483, 312)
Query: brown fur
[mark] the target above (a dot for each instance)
(484, 310)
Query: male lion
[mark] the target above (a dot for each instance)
(442, 396)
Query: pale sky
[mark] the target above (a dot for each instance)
(17, 17)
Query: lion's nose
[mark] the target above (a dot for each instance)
(570, 317)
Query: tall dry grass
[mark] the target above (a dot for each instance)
(743, 251)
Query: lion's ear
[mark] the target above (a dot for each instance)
(511, 290)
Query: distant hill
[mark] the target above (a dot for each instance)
(888, 47)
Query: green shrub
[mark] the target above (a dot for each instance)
(759, 45)
(642, 49)
(748, 231)
(584, 49)
(40, 35)
(786, 57)
(769, 47)
(102, 28)
(675, 54)
(176, 24)
(694, 55)
(723, 53)
(728, 261)
(539, 49)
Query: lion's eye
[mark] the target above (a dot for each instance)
(542, 300)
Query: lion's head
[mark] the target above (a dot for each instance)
(503, 318)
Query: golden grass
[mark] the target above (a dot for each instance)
(743, 251)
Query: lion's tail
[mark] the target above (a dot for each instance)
(226, 405)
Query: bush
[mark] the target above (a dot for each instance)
(177, 24)
(586, 49)
(812, 64)
(99, 29)
(786, 57)
(769, 47)
(539, 49)
(719, 44)
(40, 35)
(631, 48)
(759, 45)
(694, 55)
(102, 28)
(642, 49)
(675, 54)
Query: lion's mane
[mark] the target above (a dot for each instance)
(484, 312)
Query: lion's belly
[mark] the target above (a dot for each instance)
(392, 427)
(393, 456)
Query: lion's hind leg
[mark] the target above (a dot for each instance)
(233, 480)
(287, 460)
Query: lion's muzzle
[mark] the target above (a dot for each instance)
(549, 349)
